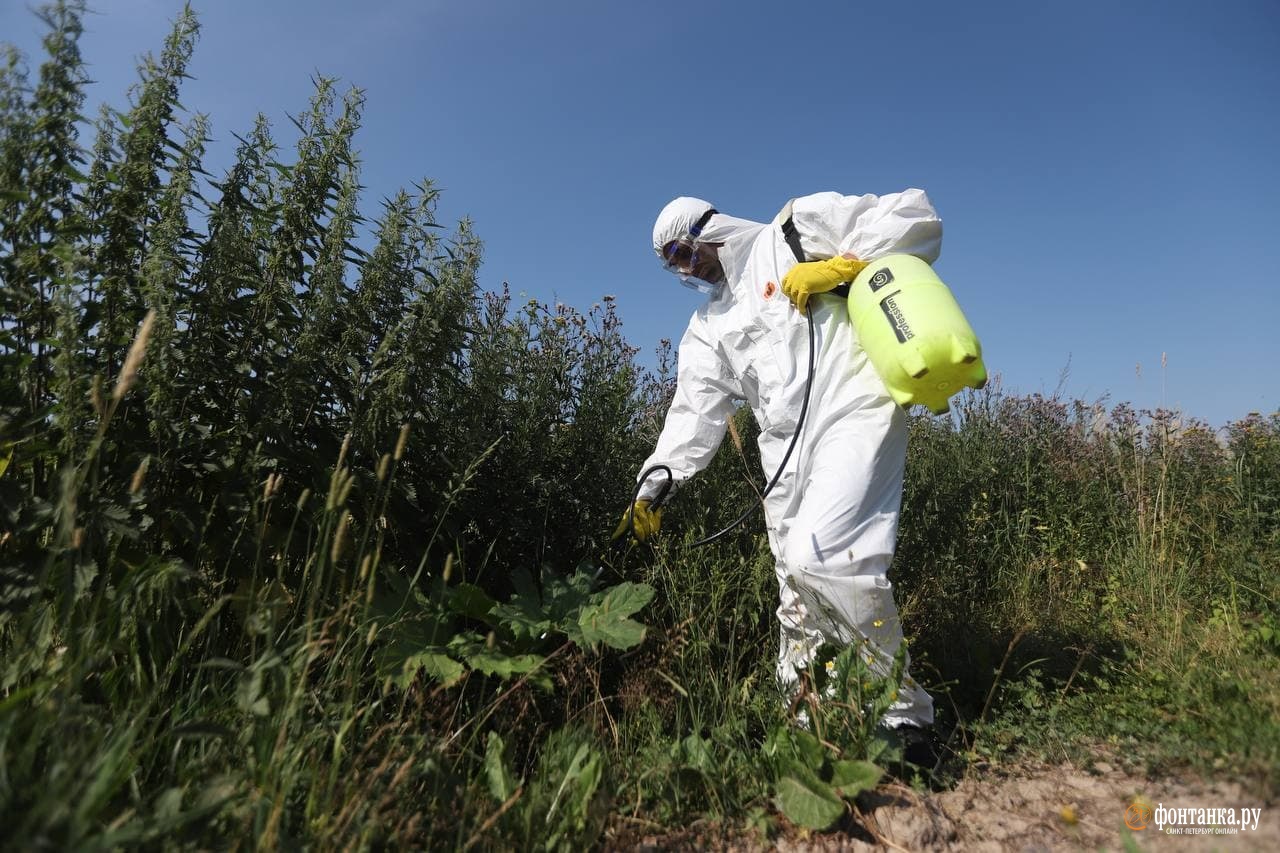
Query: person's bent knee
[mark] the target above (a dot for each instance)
(804, 559)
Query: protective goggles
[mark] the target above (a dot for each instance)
(679, 256)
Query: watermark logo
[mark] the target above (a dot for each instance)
(1191, 821)
(1137, 816)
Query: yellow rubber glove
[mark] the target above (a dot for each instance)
(647, 522)
(804, 280)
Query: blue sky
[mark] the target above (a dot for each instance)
(1108, 172)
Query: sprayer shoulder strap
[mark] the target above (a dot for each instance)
(790, 232)
(792, 235)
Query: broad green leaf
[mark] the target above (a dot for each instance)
(471, 601)
(850, 778)
(401, 660)
(808, 749)
(697, 753)
(421, 631)
(561, 596)
(524, 617)
(440, 667)
(607, 622)
(808, 803)
(618, 632)
(503, 666)
(627, 598)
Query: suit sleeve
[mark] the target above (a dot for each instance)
(869, 226)
(699, 413)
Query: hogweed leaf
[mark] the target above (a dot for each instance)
(808, 802)
(607, 621)
(850, 778)
(501, 665)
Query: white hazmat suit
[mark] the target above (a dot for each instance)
(832, 517)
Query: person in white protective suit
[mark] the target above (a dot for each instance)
(832, 517)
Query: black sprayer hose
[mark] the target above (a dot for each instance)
(804, 408)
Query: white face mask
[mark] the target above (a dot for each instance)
(699, 285)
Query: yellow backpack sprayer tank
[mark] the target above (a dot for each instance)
(914, 332)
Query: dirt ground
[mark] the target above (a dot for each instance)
(1032, 808)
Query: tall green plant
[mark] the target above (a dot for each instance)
(130, 212)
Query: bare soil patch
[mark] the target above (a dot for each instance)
(1027, 807)
(1030, 807)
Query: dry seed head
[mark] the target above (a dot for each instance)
(335, 482)
(384, 465)
(448, 568)
(373, 631)
(340, 537)
(401, 441)
(364, 566)
(135, 485)
(342, 454)
(272, 487)
(129, 373)
(303, 498)
(339, 488)
(77, 538)
(95, 396)
(733, 434)
(348, 482)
